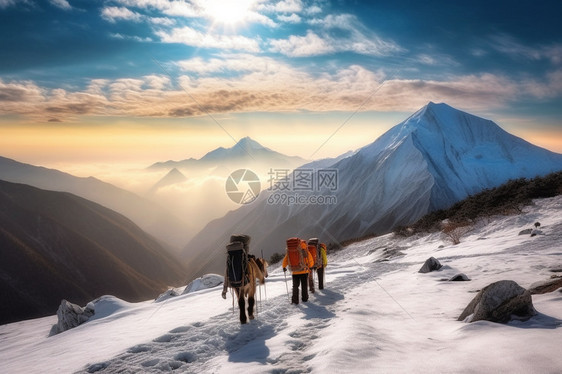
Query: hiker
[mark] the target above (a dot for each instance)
(313, 249)
(321, 265)
(299, 261)
(241, 273)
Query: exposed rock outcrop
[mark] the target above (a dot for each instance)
(71, 315)
(500, 302)
(546, 286)
(461, 277)
(431, 264)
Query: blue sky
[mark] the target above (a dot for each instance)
(209, 72)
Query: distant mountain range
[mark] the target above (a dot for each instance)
(431, 160)
(174, 176)
(246, 153)
(195, 188)
(151, 217)
(56, 245)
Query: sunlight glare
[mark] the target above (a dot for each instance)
(228, 12)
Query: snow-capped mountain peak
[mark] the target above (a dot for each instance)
(431, 160)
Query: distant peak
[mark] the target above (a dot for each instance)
(175, 171)
(432, 105)
(249, 143)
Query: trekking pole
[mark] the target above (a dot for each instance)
(287, 287)
(264, 269)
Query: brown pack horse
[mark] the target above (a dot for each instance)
(257, 270)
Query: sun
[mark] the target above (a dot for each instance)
(228, 12)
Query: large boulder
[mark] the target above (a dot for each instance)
(546, 286)
(430, 265)
(71, 315)
(500, 302)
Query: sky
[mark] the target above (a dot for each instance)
(375, 314)
(113, 81)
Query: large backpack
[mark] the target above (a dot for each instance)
(244, 239)
(296, 255)
(313, 249)
(236, 264)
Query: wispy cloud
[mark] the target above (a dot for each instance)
(189, 36)
(512, 47)
(229, 63)
(63, 4)
(284, 6)
(113, 14)
(301, 46)
(293, 18)
(162, 21)
(436, 59)
(262, 84)
(170, 8)
(333, 34)
(131, 37)
(7, 3)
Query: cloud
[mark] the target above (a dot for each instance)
(7, 3)
(435, 59)
(241, 82)
(162, 21)
(510, 46)
(334, 34)
(301, 46)
(314, 9)
(171, 8)
(112, 14)
(228, 62)
(128, 37)
(63, 4)
(189, 36)
(293, 18)
(284, 6)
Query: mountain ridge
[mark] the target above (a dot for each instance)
(148, 215)
(246, 149)
(410, 170)
(53, 245)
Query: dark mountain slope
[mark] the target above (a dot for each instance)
(56, 245)
(149, 216)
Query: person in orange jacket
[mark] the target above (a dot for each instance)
(300, 277)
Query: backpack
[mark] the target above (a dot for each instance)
(313, 249)
(236, 264)
(296, 255)
(244, 239)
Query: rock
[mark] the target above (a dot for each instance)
(536, 232)
(500, 302)
(525, 232)
(71, 315)
(205, 282)
(430, 265)
(166, 295)
(546, 286)
(461, 277)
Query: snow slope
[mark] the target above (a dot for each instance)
(377, 314)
